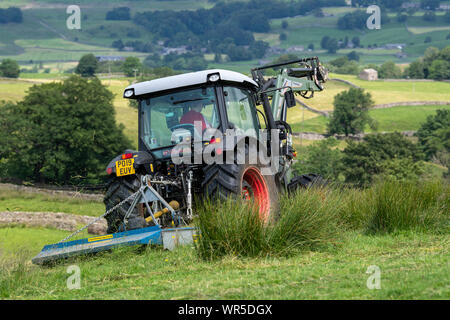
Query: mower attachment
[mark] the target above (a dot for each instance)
(169, 238)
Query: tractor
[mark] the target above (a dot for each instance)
(214, 134)
(221, 114)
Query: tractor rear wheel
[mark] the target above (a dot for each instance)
(118, 189)
(244, 181)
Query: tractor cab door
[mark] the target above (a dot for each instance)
(240, 111)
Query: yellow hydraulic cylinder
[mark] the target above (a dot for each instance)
(175, 206)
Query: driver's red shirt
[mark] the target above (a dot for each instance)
(191, 116)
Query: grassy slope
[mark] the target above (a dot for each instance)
(413, 266)
(402, 118)
(99, 33)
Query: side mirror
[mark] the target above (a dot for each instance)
(290, 99)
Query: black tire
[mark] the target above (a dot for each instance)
(306, 181)
(227, 180)
(118, 189)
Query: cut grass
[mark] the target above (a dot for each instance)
(33, 202)
(413, 266)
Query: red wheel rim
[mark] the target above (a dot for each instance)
(256, 188)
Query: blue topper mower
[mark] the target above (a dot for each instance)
(196, 132)
(146, 195)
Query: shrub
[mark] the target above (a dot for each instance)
(322, 158)
(9, 68)
(434, 134)
(364, 160)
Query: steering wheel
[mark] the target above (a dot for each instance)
(188, 126)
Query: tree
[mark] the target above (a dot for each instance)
(351, 112)
(402, 17)
(87, 66)
(356, 42)
(11, 14)
(9, 68)
(353, 56)
(439, 70)
(62, 132)
(324, 42)
(376, 154)
(389, 70)
(130, 65)
(434, 134)
(311, 46)
(121, 13)
(118, 44)
(429, 16)
(284, 24)
(332, 45)
(447, 17)
(322, 158)
(415, 70)
(430, 4)
(283, 36)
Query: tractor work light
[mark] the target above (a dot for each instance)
(128, 93)
(213, 77)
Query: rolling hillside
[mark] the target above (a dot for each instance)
(44, 37)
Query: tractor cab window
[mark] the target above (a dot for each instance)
(176, 114)
(241, 111)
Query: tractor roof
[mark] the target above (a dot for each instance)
(186, 80)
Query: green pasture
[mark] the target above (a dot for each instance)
(403, 118)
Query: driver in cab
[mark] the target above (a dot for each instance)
(194, 115)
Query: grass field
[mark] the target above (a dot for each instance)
(412, 266)
(31, 202)
(403, 118)
(413, 263)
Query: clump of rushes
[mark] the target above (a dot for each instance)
(306, 220)
(229, 227)
(355, 207)
(409, 205)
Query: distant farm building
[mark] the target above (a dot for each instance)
(369, 74)
(109, 58)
